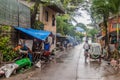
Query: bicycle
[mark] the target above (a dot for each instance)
(86, 54)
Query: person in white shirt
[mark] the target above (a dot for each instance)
(86, 47)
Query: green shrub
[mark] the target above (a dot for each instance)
(5, 47)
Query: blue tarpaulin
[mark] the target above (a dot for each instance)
(80, 29)
(39, 34)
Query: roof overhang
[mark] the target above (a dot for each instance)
(56, 8)
(52, 5)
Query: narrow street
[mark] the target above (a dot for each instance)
(71, 66)
(37, 39)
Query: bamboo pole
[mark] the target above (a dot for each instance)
(117, 31)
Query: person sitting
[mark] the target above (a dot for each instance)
(24, 50)
(47, 48)
(35, 45)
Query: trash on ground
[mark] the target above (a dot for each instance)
(38, 64)
(8, 69)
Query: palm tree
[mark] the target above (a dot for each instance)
(104, 8)
(101, 8)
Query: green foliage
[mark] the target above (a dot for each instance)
(4, 42)
(7, 51)
(105, 8)
(63, 26)
(79, 35)
(71, 5)
(39, 25)
(5, 48)
(60, 24)
(5, 28)
(69, 30)
(9, 54)
(114, 6)
(92, 32)
(100, 9)
(66, 28)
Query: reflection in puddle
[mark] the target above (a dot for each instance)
(95, 64)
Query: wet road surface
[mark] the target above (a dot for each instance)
(71, 66)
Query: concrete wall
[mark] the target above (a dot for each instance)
(48, 24)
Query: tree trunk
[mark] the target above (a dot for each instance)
(106, 32)
(33, 13)
(1, 58)
(107, 37)
(105, 18)
(118, 32)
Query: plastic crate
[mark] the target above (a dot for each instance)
(23, 62)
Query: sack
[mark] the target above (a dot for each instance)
(38, 64)
(8, 69)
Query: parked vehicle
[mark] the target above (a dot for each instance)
(95, 51)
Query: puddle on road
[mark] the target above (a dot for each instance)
(95, 64)
(61, 60)
(58, 60)
(65, 58)
(105, 72)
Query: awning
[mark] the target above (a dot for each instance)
(80, 29)
(39, 34)
(100, 37)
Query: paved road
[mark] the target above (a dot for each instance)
(71, 66)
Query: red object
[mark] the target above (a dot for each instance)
(46, 53)
(2, 72)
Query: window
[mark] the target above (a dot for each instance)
(114, 25)
(53, 20)
(46, 16)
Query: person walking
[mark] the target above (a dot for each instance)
(86, 47)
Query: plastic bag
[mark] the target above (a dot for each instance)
(38, 64)
(8, 69)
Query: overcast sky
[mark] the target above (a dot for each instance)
(85, 18)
